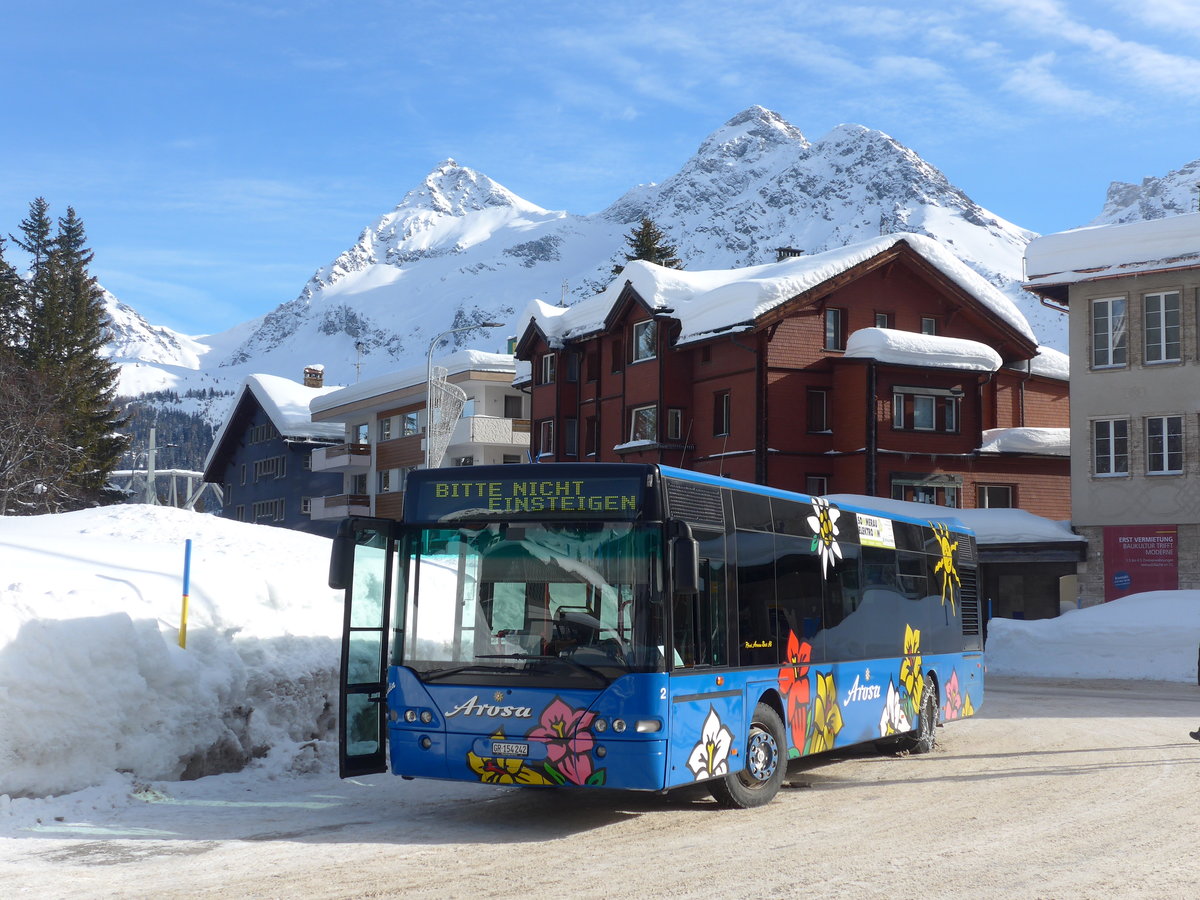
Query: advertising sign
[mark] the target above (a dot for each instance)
(1140, 558)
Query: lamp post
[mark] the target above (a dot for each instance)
(429, 374)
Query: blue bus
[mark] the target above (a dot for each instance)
(643, 627)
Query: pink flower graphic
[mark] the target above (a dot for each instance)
(569, 742)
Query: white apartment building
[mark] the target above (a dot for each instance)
(385, 431)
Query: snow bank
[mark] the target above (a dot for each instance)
(1152, 636)
(92, 680)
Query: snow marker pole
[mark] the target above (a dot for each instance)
(187, 574)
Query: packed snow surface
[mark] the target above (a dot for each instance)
(1100, 251)
(907, 348)
(96, 694)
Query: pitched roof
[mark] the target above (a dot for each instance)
(708, 303)
(286, 404)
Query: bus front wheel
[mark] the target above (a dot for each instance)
(765, 768)
(921, 740)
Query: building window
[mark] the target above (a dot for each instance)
(571, 437)
(1110, 447)
(591, 366)
(305, 506)
(617, 355)
(385, 428)
(898, 411)
(818, 410)
(270, 510)
(643, 423)
(239, 513)
(674, 424)
(546, 437)
(950, 414)
(705, 354)
(358, 483)
(924, 413)
(591, 436)
(1164, 445)
(835, 336)
(1161, 312)
(362, 433)
(995, 496)
(512, 407)
(547, 368)
(511, 459)
(272, 467)
(939, 489)
(387, 481)
(928, 325)
(243, 473)
(721, 414)
(572, 363)
(645, 340)
(816, 485)
(410, 423)
(306, 462)
(1108, 333)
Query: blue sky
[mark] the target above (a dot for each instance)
(220, 151)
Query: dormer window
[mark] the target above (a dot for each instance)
(645, 340)
(548, 365)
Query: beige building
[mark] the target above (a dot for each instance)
(1132, 293)
(385, 430)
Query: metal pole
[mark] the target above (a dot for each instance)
(151, 493)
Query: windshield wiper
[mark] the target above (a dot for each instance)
(594, 672)
(454, 670)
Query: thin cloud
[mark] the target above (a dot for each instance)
(1034, 81)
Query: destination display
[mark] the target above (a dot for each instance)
(438, 499)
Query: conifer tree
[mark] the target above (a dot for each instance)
(13, 319)
(40, 307)
(647, 242)
(75, 351)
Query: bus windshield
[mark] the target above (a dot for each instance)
(548, 603)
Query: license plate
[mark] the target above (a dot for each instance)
(510, 748)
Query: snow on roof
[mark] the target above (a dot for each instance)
(1051, 363)
(715, 301)
(991, 526)
(908, 348)
(1104, 251)
(454, 363)
(1038, 441)
(286, 403)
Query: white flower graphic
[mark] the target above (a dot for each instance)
(893, 721)
(825, 532)
(710, 756)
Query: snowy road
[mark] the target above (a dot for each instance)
(1059, 789)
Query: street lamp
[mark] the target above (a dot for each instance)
(429, 373)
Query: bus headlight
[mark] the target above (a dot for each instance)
(410, 715)
(648, 726)
(618, 725)
(600, 725)
(426, 716)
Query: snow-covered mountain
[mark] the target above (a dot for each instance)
(1155, 198)
(462, 249)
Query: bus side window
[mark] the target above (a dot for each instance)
(684, 625)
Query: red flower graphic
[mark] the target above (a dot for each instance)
(793, 684)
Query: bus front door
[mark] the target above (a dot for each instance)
(364, 551)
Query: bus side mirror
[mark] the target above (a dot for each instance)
(341, 560)
(685, 561)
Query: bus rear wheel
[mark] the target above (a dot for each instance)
(765, 768)
(922, 738)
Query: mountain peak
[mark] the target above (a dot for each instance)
(456, 190)
(750, 133)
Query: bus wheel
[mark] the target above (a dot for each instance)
(766, 764)
(921, 740)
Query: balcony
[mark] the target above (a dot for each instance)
(342, 458)
(491, 430)
(340, 506)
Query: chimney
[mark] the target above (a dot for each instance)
(314, 376)
(782, 253)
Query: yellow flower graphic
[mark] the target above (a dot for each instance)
(910, 668)
(504, 771)
(827, 715)
(824, 526)
(945, 565)
(968, 709)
